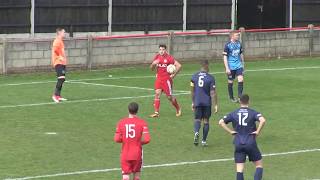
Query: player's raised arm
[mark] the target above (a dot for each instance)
(262, 122)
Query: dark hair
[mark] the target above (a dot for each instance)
(204, 62)
(59, 29)
(162, 45)
(244, 99)
(133, 108)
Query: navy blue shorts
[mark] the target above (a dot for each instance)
(202, 112)
(235, 73)
(243, 150)
(60, 70)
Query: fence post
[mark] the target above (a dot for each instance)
(3, 58)
(170, 42)
(109, 17)
(184, 16)
(233, 15)
(242, 36)
(311, 32)
(89, 52)
(32, 17)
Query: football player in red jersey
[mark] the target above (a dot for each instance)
(132, 132)
(164, 81)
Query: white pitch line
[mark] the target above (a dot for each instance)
(119, 86)
(141, 77)
(84, 100)
(158, 165)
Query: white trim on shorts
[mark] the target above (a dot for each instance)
(169, 86)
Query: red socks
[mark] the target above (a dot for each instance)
(175, 104)
(156, 105)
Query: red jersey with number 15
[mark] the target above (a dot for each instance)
(164, 61)
(130, 132)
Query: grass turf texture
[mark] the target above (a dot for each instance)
(288, 99)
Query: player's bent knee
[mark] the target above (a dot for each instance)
(240, 78)
(125, 177)
(258, 164)
(62, 78)
(170, 98)
(158, 93)
(240, 167)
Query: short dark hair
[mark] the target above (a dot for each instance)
(244, 99)
(59, 29)
(163, 45)
(204, 62)
(133, 108)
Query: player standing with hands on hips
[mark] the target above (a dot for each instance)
(245, 132)
(132, 132)
(59, 62)
(204, 96)
(164, 81)
(234, 63)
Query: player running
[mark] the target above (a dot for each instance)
(234, 64)
(164, 81)
(59, 62)
(245, 132)
(132, 132)
(203, 93)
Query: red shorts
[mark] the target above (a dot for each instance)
(164, 85)
(131, 166)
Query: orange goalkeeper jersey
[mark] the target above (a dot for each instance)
(58, 54)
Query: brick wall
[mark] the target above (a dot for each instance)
(32, 55)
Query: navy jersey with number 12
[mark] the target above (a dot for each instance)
(203, 83)
(244, 123)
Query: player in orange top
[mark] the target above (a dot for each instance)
(132, 132)
(59, 62)
(164, 81)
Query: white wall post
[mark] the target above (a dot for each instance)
(32, 17)
(110, 18)
(233, 14)
(184, 15)
(290, 14)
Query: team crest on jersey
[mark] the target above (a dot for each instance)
(162, 65)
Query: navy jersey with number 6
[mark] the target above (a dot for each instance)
(203, 83)
(244, 123)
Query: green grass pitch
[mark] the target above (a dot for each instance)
(85, 125)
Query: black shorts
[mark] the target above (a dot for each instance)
(60, 70)
(243, 150)
(235, 73)
(202, 112)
